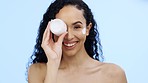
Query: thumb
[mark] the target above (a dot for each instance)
(60, 39)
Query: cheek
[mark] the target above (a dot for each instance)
(81, 34)
(84, 30)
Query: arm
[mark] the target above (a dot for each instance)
(42, 73)
(53, 51)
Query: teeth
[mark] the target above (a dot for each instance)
(69, 44)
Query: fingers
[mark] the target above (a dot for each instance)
(50, 47)
(47, 36)
(44, 35)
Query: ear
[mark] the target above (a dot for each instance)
(88, 28)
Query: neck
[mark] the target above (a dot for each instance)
(76, 61)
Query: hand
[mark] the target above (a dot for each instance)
(53, 50)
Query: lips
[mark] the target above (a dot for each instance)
(69, 45)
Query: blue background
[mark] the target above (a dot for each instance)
(123, 26)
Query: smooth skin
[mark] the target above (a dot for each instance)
(68, 61)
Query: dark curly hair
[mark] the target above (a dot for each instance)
(92, 43)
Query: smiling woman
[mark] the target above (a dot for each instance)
(74, 56)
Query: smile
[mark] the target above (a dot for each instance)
(69, 45)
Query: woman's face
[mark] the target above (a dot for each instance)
(73, 42)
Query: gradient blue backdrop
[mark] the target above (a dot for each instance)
(123, 25)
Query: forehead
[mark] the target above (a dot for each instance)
(70, 14)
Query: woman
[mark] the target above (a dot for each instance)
(73, 56)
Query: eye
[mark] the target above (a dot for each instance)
(77, 27)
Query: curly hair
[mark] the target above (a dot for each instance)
(92, 44)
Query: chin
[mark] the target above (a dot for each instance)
(72, 48)
(72, 52)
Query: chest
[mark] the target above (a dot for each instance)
(82, 77)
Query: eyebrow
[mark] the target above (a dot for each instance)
(77, 22)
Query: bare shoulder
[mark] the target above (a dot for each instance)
(36, 73)
(114, 72)
(112, 68)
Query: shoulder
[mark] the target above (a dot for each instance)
(36, 72)
(110, 67)
(37, 66)
(114, 72)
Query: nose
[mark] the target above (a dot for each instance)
(69, 35)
